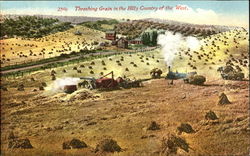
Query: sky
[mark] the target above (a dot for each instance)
(234, 13)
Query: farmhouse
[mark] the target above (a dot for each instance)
(122, 43)
(110, 35)
(136, 41)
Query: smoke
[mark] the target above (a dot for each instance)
(59, 84)
(192, 43)
(173, 43)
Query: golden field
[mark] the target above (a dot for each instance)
(48, 118)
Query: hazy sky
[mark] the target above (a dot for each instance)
(199, 12)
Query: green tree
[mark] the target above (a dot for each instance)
(154, 38)
(149, 38)
(146, 38)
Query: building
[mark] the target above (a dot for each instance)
(122, 43)
(110, 35)
(136, 41)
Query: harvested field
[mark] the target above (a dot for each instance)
(161, 117)
(20, 50)
(125, 115)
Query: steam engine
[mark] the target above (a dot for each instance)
(176, 75)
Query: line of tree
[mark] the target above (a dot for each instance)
(32, 26)
(98, 24)
(149, 38)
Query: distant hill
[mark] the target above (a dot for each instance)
(220, 28)
(31, 26)
(71, 19)
(135, 28)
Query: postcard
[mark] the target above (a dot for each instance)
(124, 78)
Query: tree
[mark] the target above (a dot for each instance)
(146, 38)
(150, 38)
(154, 38)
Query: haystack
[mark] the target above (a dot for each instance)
(44, 84)
(108, 145)
(223, 99)
(185, 127)
(20, 143)
(32, 79)
(20, 87)
(53, 72)
(53, 77)
(211, 115)
(41, 88)
(153, 126)
(172, 143)
(74, 144)
(11, 136)
(4, 88)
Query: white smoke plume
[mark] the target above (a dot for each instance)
(173, 43)
(59, 84)
(192, 43)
